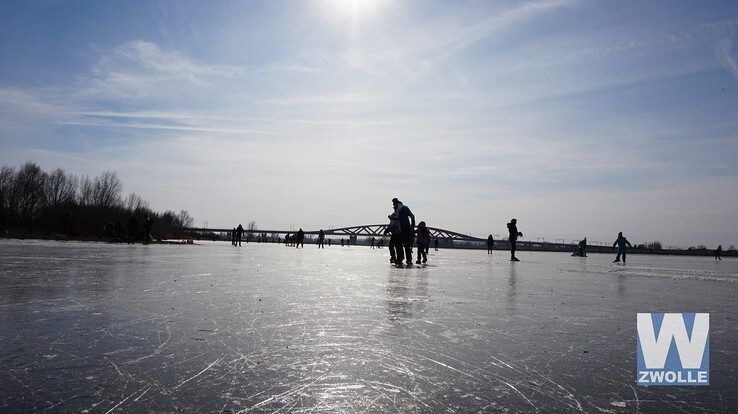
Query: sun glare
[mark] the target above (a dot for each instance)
(354, 9)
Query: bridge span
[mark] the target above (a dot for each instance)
(368, 230)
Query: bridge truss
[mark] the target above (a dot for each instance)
(368, 230)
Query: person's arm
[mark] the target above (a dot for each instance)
(613, 245)
(628, 243)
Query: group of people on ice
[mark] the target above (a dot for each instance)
(403, 234)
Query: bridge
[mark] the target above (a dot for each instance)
(368, 230)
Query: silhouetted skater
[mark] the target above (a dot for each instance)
(407, 228)
(341, 241)
(490, 243)
(300, 239)
(239, 235)
(719, 252)
(424, 237)
(233, 237)
(118, 230)
(373, 241)
(329, 242)
(132, 228)
(435, 244)
(321, 239)
(148, 222)
(622, 243)
(582, 252)
(512, 228)
(395, 241)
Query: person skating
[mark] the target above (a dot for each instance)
(512, 228)
(321, 239)
(490, 243)
(300, 239)
(719, 252)
(148, 222)
(423, 237)
(407, 228)
(582, 248)
(395, 241)
(132, 228)
(622, 243)
(239, 235)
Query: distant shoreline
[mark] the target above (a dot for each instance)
(83, 239)
(500, 246)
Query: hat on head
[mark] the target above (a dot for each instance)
(395, 200)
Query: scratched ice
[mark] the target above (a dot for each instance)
(87, 327)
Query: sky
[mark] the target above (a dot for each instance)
(578, 118)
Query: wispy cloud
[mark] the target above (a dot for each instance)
(723, 52)
(338, 99)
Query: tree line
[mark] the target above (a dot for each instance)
(34, 203)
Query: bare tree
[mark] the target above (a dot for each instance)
(654, 245)
(252, 227)
(7, 206)
(134, 203)
(185, 220)
(106, 190)
(86, 191)
(29, 183)
(60, 188)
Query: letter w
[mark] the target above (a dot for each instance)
(655, 350)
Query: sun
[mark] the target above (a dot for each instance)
(354, 9)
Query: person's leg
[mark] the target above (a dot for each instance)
(421, 249)
(512, 249)
(399, 252)
(624, 255)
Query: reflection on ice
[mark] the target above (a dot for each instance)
(92, 327)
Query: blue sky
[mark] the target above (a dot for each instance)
(580, 118)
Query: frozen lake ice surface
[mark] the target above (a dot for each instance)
(95, 327)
